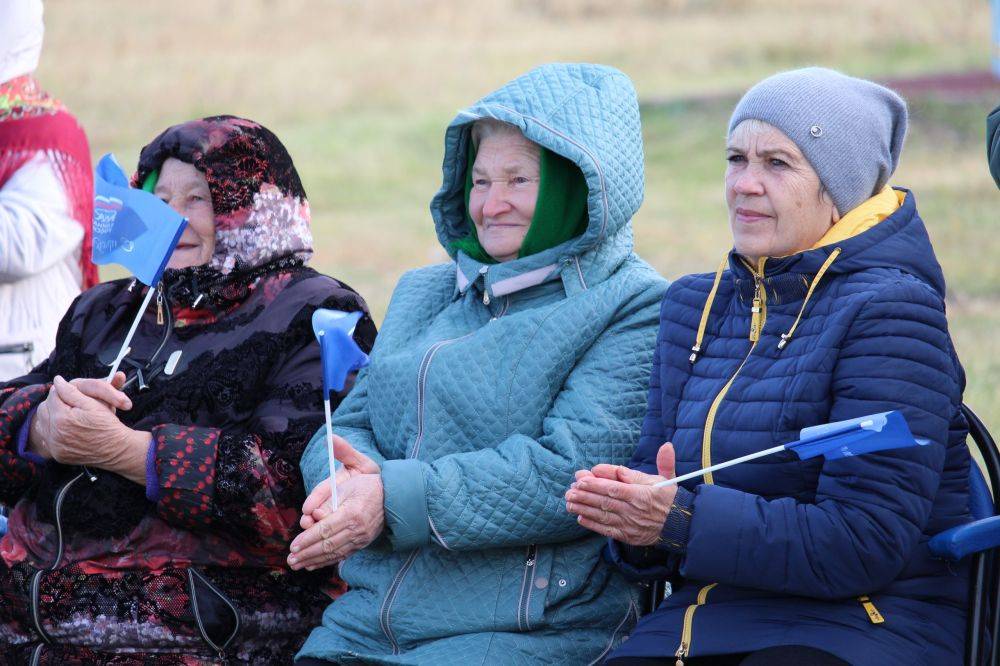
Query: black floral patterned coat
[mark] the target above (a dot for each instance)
(90, 563)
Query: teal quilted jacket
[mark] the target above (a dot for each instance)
(489, 386)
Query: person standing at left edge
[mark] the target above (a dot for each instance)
(46, 199)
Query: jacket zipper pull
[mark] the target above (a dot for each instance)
(873, 615)
(755, 312)
(486, 291)
(680, 654)
(159, 304)
(757, 308)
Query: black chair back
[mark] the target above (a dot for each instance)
(981, 648)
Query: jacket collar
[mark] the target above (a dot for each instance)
(576, 272)
(897, 240)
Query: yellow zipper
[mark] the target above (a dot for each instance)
(758, 309)
(758, 317)
(873, 615)
(685, 646)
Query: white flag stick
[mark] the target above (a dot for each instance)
(123, 352)
(722, 465)
(333, 458)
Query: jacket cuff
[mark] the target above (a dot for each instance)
(640, 563)
(152, 479)
(185, 459)
(15, 412)
(674, 535)
(718, 521)
(22, 440)
(405, 504)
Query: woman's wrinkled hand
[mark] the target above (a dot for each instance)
(77, 425)
(622, 503)
(352, 463)
(333, 536)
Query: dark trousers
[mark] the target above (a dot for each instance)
(784, 655)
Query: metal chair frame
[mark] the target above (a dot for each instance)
(981, 646)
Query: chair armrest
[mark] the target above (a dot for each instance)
(964, 540)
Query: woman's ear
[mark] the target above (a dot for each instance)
(825, 197)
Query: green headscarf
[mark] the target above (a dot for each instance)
(560, 210)
(149, 184)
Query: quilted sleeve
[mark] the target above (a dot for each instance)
(512, 494)
(352, 421)
(653, 435)
(352, 424)
(869, 511)
(638, 562)
(247, 482)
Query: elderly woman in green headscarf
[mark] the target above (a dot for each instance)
(495, 376)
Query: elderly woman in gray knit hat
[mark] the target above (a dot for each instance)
(830, 306)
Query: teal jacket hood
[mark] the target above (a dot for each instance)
(589, 114)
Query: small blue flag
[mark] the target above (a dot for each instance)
(132, 228)
(341, 354)
(875, 432)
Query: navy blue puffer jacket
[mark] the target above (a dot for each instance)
(782, 551)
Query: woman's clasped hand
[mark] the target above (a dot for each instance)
(624, 504)
(76, 425)
(334, 534)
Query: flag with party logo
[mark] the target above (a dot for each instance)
(132, 228)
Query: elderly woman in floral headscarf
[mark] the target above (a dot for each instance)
(152, 514)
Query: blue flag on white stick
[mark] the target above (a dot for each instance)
(341, 355)
(854, 437)
(132, 227)
(876, 432)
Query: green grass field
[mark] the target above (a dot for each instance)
(360, 93)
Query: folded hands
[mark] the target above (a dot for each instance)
(621, 503)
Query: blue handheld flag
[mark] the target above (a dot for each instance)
(341, 356)
(875, 432)
(132, 228)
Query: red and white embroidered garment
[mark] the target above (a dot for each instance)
(46, 199)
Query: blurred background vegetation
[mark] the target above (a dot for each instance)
(360, 93)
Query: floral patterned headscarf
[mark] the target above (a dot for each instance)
(261, 211)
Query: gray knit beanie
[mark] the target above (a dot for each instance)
(851, 130)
